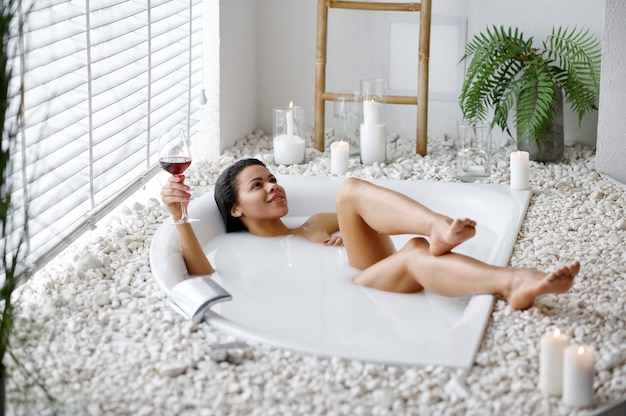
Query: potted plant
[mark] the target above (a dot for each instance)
(507, 72)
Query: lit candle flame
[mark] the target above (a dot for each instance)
(557, 332)
(580, 350)
(290, 105)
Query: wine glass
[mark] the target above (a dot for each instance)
(175, 158)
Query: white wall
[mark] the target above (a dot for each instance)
(286, 53)
(285, 44)
(230, 71)
(611, 151)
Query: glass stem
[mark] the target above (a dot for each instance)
(184, 217)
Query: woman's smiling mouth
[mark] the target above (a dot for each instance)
(276, 198)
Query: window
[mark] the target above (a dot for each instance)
(101, 78)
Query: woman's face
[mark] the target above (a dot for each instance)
(259, 195)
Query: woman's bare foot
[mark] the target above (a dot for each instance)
(530, 284)
(450, 233)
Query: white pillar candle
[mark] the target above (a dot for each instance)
(578, 369)
(372, 112)
(373, 143)
(339, 155)
(290, 120)
(519, 171)
(553, 345)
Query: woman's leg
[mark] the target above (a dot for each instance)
(368, 214)
(414, 268)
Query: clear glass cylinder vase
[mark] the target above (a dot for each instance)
(348, 112)
(289, 135)
(473, 158)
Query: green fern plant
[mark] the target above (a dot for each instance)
(507, 72)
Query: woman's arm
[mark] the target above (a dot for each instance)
(173, 193)
(195, 259)
(320, 229)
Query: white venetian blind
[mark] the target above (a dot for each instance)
(101, 77)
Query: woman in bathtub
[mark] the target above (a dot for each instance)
(249, 198)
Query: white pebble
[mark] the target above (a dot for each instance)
(173, 369)
(620, 224)
(455, 389)
(102, 299)
(86, 262)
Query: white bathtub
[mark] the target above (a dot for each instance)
(297, 295)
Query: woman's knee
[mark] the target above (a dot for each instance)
(417, 245)
(349, 189)
(350, 185)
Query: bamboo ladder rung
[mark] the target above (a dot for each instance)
(390, 99)
(363, 5)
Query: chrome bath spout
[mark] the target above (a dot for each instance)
(194, 296)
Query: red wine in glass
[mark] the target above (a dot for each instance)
(175, 165)
(175, 158)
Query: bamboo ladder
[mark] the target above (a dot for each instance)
(421, 100)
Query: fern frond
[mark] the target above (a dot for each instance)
(508, 101)
(577, 54)
(535, 110)
(496, 59)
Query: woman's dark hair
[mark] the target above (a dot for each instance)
(226, 195)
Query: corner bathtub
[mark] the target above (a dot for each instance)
(293, 294)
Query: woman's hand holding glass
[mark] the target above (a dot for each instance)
(175, 195)
(175, 158)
